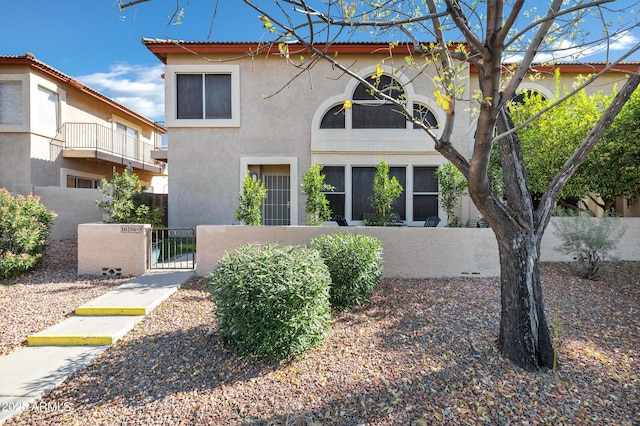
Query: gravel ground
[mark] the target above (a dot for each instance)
(45, 295)
(422, 352)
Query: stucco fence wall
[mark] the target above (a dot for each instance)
(73, 207)
(112, 249)
(408, 252)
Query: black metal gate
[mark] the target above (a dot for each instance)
(172, 248)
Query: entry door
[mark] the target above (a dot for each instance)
(276, 207)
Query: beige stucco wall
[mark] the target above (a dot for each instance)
(15, 165)
(628, 248)
(408, 252)
(72, 206)
(104, 247)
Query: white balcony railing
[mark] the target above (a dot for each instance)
(118, 145)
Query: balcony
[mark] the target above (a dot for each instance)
(92, 140)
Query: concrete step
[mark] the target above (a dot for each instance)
(85, 331)
(137, 297)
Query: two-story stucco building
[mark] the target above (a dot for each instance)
(237, 107)
(59, 138)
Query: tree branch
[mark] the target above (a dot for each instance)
(530, 54)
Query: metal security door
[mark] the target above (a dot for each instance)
(277, 205)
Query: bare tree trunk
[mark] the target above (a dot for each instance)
(524, 335)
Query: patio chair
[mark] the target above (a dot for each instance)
(341, 221)
(432, 222)
(396, 220)
(471, 223)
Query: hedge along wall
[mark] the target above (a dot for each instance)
(408, 252)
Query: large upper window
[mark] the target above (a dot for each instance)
(48, 109)
(10, 102)
(203, 96)
(371, 111)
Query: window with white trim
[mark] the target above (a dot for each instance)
(334, 176)
(11, 102)
(203, 96)
(362, 191)
(371, 111)
(48, 109)
(425, 193)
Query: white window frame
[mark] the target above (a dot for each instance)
(39, 128)
(171, 72)
(24, 81)
(47, 121)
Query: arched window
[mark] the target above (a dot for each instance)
(334, 118)
(372, 112)
(369, 111)
(423, 113)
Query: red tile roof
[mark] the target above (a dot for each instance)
(161, 48)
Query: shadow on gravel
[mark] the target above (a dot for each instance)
(165, 364)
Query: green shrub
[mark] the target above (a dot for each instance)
(123, 200)
(271, 301)
(317, 204)
(355, 265)
(386, 190)
(590, 240)
(24, 229)
(250, 201)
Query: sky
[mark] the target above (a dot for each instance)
(92, 41)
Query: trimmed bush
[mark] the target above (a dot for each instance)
(271, 301)
(590, 240)
(24, 229)
(355, 265)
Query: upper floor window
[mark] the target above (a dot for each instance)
(203, 96)
(11, 102)
(372, 111)
(48, 109)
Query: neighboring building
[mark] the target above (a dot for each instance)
(229, 110)
(57, 133)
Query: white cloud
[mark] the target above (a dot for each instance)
(137, 87)
(568, 51)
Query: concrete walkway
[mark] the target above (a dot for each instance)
(29, 373)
